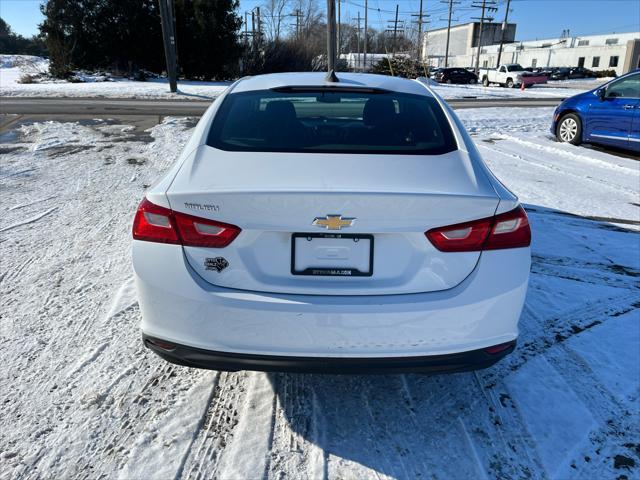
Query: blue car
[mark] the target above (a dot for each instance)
(608, 115)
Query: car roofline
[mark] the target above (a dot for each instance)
(357, 82)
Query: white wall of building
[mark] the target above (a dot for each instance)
(554, 52)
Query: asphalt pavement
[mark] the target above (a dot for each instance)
(100, 107)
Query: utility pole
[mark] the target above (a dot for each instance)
(504, 28)
(259, 27)
(420, 21)
(420, 33)
(486, 5)
(358, 42)
(338, 34)
(446, 51)
(246, 28)
(395, 31)
(392, 27)
(253, 29)
(364, 47)
(297, 13)
(169, 39)
(331, 41)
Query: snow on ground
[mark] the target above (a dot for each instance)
(82, 398)
(12, 70)
(519, 148)
(12, 67)
(494, 91)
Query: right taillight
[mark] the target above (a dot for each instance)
(154, 223)
(506, 230)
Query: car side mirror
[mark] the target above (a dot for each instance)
(602, 93)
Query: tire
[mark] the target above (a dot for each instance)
(449, 81)
(569, 129)
(485, 81)
(473, 81)
(510, 83)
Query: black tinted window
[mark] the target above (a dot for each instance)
(331, 122)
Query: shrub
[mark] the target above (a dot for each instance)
(400, 67)
(606, 73)
(320, 64)
(27, 78)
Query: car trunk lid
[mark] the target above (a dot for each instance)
(390, 201)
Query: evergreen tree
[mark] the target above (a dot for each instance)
(126, 35)
(12, 43)
(207, 38)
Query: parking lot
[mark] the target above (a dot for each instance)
(81, 394)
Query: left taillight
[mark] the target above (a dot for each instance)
(506, 230)
(154, 223)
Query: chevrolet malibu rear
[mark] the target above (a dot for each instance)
(340, 227)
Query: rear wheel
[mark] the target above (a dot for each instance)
(510, 83)
(569, 129)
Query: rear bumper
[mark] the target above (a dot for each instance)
(538, 80)
(200, 358)
(180, 307)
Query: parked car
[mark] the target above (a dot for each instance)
(340, 227)
(607, 115)
(510, 75)
(547, 71)
(581, 72)
(455, 75)
(559, 73)
(434, 71)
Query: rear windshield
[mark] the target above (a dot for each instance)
(331, 122)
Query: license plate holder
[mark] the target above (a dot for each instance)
(347, 256)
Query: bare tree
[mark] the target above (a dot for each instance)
(275, 15)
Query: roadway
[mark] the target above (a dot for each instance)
(100, 107)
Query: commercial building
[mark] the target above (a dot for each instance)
(463, 40)
(615, 51)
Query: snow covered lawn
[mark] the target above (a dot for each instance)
(12, 67)
(82, 398)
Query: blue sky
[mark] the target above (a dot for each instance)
(535, 18)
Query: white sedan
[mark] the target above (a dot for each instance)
(339, 227)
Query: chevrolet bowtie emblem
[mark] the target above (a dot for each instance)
(333, 222)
